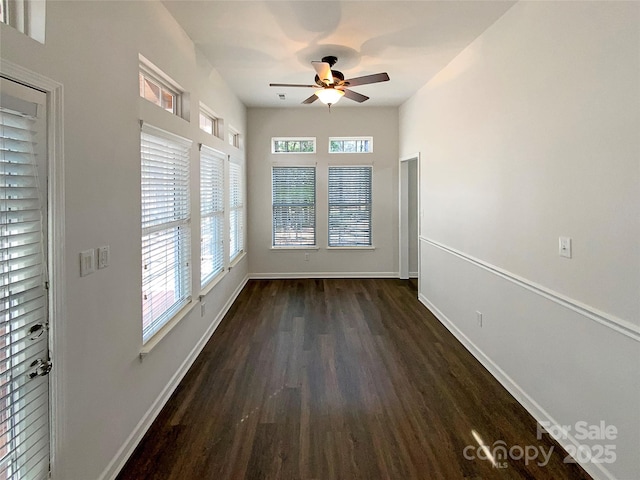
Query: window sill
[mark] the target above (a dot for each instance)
(357, 247)
(235, 260)
(294, 247)
(204, 291)
(157, 337)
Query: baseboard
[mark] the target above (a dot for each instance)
(119, 460)
(293, 275)
(597, 471)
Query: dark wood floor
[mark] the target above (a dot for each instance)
(337, 379)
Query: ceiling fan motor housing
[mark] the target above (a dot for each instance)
(338, 77)
(331, 60)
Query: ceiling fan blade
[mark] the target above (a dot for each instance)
(358, 97)
(323, 69)
(375, 78)
(311, 99)
(292, 85)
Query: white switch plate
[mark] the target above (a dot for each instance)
(564, 247)
(479, 318)
(103, 256)
(87, 262)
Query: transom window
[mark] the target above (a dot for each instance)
(350, 144)
(293, 145)
(208, 123)
(233, 137)
(157, 89)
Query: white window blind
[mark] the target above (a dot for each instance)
(166, 235)
(211, 214)
(350, 206)
(294, 206)
(236, 210)
(24, 407)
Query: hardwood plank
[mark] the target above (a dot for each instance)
(336, 379)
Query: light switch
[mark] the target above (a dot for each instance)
(103, 256)
(564, 246)
(87, 262)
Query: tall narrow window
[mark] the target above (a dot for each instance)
(236, 210)
(350, 206)
(211, 214)
(166, 243)
(24, 395)
(294, 206)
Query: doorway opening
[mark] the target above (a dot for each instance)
(409, 217)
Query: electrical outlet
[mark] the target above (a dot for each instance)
(479, 318)
(306, 257)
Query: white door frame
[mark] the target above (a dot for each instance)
(55, 241)
(403, 217)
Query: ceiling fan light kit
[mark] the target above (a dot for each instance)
(332, 84)
(329, 96)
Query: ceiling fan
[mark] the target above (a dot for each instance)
(331, 85)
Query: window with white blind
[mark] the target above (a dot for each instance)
(350, 206)
(166, 242)
(211, 214)
(24, 348)
(236, 210)
(294, 206)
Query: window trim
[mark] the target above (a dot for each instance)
(293, 139)
(343, 139)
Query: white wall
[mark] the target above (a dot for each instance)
(382, 124)
(530, 134)
(108, 396)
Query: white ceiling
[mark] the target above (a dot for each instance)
(254, 43)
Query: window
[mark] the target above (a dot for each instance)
(211, 214)
(26, 16)
(209, 122)
(154, 91)
(350, 206)
(233, 137)
(24, 428)
(166, 243)
(350, 144)
(236, 210)
(293, 145)
(158, 88)
(294, 206)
